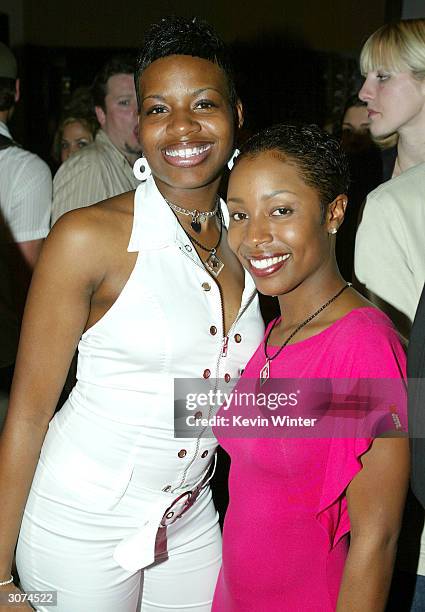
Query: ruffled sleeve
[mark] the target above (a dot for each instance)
(374, 352)
(344, 462)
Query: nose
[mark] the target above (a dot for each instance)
(182, 122)
(258, 233)
(366, 92)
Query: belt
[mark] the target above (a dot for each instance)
(137, 551)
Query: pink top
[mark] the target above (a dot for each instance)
(285, 536)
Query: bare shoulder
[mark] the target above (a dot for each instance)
(93, 228)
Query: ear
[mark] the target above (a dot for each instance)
(239, 112)
(17, 90)
(335, 213)
(101, 115)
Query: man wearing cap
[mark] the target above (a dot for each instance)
(103, 169)
(25, 209)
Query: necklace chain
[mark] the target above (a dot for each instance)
(194, 213)
(214, 248)
(213, 263)
(198, 217)
(300, 326)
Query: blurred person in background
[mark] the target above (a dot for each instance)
(103, 169)
(77, 128)
(25, 207)
(389, 251)
(365, 163)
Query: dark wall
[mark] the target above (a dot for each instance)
(296, 61)
(329, 25)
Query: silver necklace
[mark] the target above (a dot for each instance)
(265, 370)
(213, 262)
(197, 216)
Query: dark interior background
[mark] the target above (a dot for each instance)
(296, 61)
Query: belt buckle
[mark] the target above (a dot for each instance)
(170, 515)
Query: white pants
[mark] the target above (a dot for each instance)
(70, 550)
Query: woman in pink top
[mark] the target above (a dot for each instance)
(313, 521)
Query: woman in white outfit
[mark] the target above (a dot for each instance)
(389, 251)
(119, 515)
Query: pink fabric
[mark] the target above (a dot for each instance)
(286, 529)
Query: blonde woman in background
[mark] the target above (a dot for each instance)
(393, 62)
(389, 253)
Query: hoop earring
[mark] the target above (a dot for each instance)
(232, 160)
(141, 169)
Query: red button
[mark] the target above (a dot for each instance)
(207, 373)
(238, 338)
(227, 377)
(213, 330)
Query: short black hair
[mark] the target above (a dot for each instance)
(185, 36)
(119, 64)
(7, 93)
(318, 157)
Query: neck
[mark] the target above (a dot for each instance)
(410, 151)
(304, 300)
(202, 199)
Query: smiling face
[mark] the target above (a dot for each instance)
(276, 228)
(395, 102)
(119, 119)
(186, 122)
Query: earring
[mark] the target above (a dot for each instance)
(231, 161)
(333, 230)
(141, 169)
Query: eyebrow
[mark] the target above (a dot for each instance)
(193, 93)
(267, 196)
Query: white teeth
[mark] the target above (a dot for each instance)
(262, 264)
(186, 153)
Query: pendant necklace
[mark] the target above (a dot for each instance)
(213, 262)
(197, 216)
(265, 370)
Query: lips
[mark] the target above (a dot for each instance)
(187, 154)
(371, 113)
(264, 266)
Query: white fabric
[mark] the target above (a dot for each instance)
(95, 173)
(390, 245)
(66, 549)
(25, 208)
(25, 192)
(115, 433)
(390, 262)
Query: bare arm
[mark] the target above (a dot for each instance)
(58, 307)
(375, 499)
